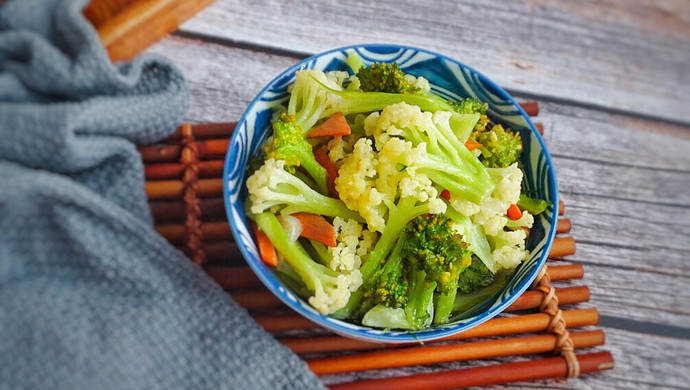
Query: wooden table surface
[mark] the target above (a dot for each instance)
(613, 82)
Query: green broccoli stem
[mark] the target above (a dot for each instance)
(421, 293)
(473, 235)
(399, 216)
(446, 300)
(467, 301)
(316, 171)
(304, 106)
(474, 190)
(320, 204)
(294, 254)
(394, 262)
(354, 102)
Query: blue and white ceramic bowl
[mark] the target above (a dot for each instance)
(450, 79)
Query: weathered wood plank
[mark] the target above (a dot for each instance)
(613, 231)
(631, 57)
(642, 362)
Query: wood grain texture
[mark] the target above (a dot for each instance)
(629, 57)
(625, 181)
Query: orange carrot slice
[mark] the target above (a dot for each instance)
(316, 227)
(514, 212)
(331, 170)
(472, 144)
(335, 126)
(266, 249)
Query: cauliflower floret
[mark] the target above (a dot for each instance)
(508, 183)
(464, 207)
(338, 77)
(329, 79)
(369, 238)
(406, 182)
(492, 211)
(527, 220)
(353, 242)
(491, 215)
(509, 248)
(355, 184)
(329, 299)
(392, 119)
(420, 83)
(339, 147)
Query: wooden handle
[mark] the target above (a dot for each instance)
(126, 28)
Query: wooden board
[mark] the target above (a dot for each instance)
(626, 190)
(632, 57)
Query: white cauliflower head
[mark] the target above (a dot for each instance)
(356, 185)
(332, 294)
(509, 248)
(352, 242)
(393, 119)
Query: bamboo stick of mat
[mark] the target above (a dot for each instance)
(212, 231)
(494, 374)
(167, 171)
(171, 189)
(207, 130)
(211, 148)
(436, 354)
(174, 210)
(528, 323)
(233, 278)
(264, 299)
(531, 107)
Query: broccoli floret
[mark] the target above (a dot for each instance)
(433, 246)
(500, 147)
(388, 286)
(288, 144)
(399, 215)
(443, 158)
(470, 106)
(533, 206)
(428, 257)
(314, 97)
(330, 289)
(474, 277)
(272, 187)
(385, 77)
(473, 106)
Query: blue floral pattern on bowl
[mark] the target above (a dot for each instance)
(449, 79)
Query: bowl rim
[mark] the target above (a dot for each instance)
(430, 333)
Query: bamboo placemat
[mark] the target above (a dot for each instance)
(184, 186)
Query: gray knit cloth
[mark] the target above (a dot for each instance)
(90, 296)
